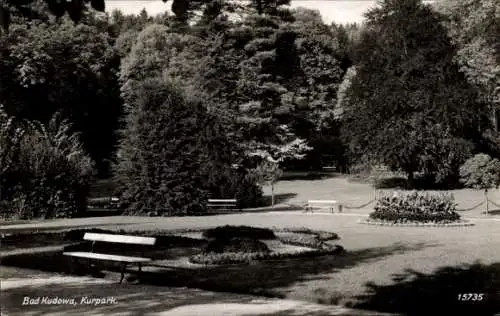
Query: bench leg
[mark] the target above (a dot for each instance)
(139, 272)
(122, 270)
(71, 262)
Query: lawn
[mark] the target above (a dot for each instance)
(354, 194)
(388, 269)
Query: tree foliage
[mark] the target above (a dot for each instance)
(74, 8)
(474, 27)
(59, 67)
(408, 98)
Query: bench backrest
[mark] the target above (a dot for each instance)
(221, 201)
(322, 202)
(122, 239)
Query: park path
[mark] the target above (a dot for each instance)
(131, 299)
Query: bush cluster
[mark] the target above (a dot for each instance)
(48, 173)
(228, 231)
(416, 207)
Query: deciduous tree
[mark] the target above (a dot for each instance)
(407, 86)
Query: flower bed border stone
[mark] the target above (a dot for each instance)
(459, 223)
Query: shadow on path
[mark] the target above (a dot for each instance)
(261, 278)
(131, 299)
(265, 278)
(492, 212)
(415, 293)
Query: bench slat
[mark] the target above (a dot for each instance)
(124, 239)
(102, 256)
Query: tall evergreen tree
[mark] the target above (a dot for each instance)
(170, 151)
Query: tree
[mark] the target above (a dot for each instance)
(48, 67)
(269, 77)
(156, 53)
(166, 158)
(74, 8)
(268, 172)
(474, 26)
(321, 54)
(481, 172)
(406, 88)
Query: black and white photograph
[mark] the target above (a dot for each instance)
(249, 157)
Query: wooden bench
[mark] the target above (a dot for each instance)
(104, 202)
(330, 204)
(330, 169)
(117, 239)
(222, 204)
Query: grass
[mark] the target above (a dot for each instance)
(354, 194)
(374, 255)
(368, 275)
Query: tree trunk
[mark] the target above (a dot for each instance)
(486, 200)
(410, 182)
(272, 194)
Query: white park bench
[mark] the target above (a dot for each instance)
(117, 239)
(222, 204)
(323, 204)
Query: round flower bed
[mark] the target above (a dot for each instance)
(416, 207)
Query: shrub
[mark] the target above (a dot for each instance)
(416, 206)
(481, 173)
(50, 173)
(246, 190)
(238, 184)
(227, 232)
(244, 245)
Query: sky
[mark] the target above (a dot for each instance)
(338, 11)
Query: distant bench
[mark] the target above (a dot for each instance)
(117, 239)
(104, 202)
(222, 204)
(323, 204)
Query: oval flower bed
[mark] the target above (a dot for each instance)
(416, 209)
(287, 243)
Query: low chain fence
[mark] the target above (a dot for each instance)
(497, 205)
(471, 208)
(359, 206)
(350, 207)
